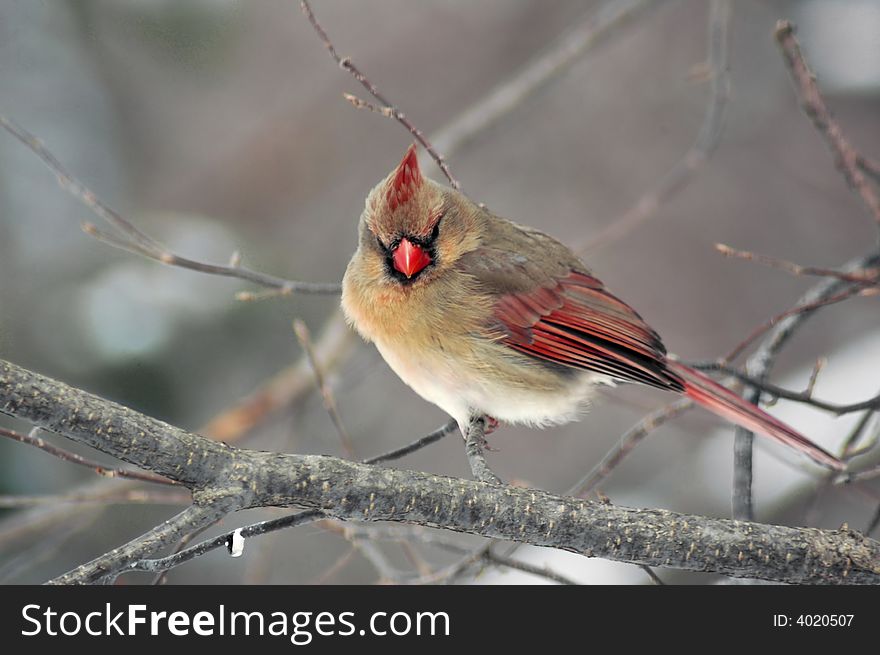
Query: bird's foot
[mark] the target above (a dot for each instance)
(490, 424)
(475, 445)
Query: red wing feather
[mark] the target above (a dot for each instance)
(578, 323)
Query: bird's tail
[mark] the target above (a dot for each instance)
(717, 399)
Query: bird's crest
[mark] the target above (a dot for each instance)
(404, 181)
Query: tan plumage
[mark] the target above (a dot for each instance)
(482, 316)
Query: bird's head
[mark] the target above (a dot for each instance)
(417, 227)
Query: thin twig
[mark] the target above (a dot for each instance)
(131, 239)
(797, 310)
(345, 63)
(870, 276)
(518, 565)
(449, 427)
(868, 474)
(253, 530)
(627, 442)
(846, 157)
(126, 496)
(305, 341)
(759, 364)
(820, 364)
(283, 389)
(388, 574)
(105, 568)
(653, 576)
(472, 557)
(44, 548)
(705, 145)
(33, 440)
(846, 161)
(162, 576)
(804, 397)
(336, 567)
(414, 557)
(848, 450)
(611, 16)
(869, 167)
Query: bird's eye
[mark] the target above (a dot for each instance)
(436, 232)
(382, 246)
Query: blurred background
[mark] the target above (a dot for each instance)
(218, 126)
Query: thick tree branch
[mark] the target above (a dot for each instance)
(225, 479)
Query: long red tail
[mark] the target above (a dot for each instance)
(720, 400)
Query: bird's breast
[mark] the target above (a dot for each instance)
(438, 339)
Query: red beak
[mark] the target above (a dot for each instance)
(410, 258)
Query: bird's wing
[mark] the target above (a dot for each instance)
(550, 307)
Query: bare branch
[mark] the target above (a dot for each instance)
(846, 157)
(162, 576)
(759, 364)
(227, 479)
(305, 341)
(332, 348)
(611, 16)
(358, 103)
(256, 529)
(133, 240)
(869, 166)
(803, 309)
(868, 276)
(43, 549)
(67, 456)
(448, 428)
(108, 566)
(852, 447)
(336, 567)
(706, 142)
(112, 497)
(804, 397)
(653, 576)
(481, 555)
(345, 63)
(630, 439)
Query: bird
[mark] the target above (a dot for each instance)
(489, 319)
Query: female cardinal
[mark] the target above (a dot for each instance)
(484, 317)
